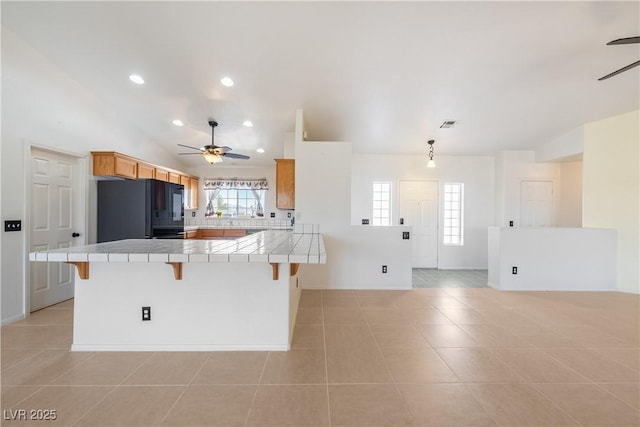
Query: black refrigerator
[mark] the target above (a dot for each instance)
(140, 209)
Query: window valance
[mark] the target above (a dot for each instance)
(237, 183)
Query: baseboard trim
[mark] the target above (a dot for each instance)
(195, 347)
(13, 319)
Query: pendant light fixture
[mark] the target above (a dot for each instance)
(431, 163)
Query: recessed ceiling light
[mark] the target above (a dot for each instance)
(136, 79)
(260, 150)
(177, 122)
(247, 124)
(226, 81)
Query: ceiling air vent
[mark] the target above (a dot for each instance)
(448, 124)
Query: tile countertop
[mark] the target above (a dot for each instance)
(273, 246)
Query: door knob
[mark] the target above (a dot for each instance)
(75, 235)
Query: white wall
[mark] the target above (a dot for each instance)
(570, 200)
(355, 254)
(552, 259)
(564, 146)
(611, 188)
(477, 174)
(42, 106)
(518, 166)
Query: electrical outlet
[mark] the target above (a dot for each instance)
(146, 313)
(365, 221)
(193, 214)
(272, 214)
(288, 214)
(405, 235)
(384, 269)
(510, 223)
(514, 270)
(13, 225)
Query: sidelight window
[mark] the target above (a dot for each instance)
(382, 203)
(453, 214)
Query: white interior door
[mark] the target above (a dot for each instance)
(419, 209)
(536, 203)
(53, 222)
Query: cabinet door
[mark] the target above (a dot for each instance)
(285, 183)
(162, 175)
(174, 178)
(146, 171)
(195, 190)
(126, 167)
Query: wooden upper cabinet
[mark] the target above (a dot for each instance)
(285, 183)
(146, 171)
(185, 181)
(110, 163)
(162, 175)
(174, 178)
(194, 185)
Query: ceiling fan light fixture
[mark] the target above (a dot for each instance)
(178, 122)
(136, 78)
(226, 81)
(212, 158)
(260, 150)
(431, 163)
(247, 124)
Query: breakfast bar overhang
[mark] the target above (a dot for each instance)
(202, 295)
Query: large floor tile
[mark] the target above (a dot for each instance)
(309, 316)
(233, 367)
(49, 316)
(417, 365)
(348, 336)
(533, 365)
(69, 404)
(398, 336)
(310, 298)
(493, 336)
(133, 406)
(107, 368)
(343, 315)
(593, 365)
(292, 405)
(590, 404)
(464, 316)
(444, 405)
(477, 365)
(168, 368)
(426, 316)
(384, 316)
(11, 395)
(446, 336)
(308, 336)
(339, 301)
(44, 367)
(519, 405)
(356, 365)
(212, 405)
(34, 336)
(627, 392)
(295, 367)
(368, 405)
(12, 356)
(626, 356)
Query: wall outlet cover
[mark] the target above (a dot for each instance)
(405, 235)
(365, 221)
(13, 225)
(510, 223)
(288, 214)
(146, 313)
(514, 270)
(272, 215)
(384, 269)
(193, 214)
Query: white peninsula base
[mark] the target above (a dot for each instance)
(216, 306)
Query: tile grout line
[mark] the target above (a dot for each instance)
(326, 362)
(255, 393)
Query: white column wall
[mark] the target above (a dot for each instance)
(611, 188)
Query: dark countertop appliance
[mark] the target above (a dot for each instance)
(140, 209)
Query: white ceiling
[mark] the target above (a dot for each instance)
(381, 75)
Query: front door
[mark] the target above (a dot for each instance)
(54, 220)
(419, 209)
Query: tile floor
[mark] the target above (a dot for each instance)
(426, 357)
(434, 278)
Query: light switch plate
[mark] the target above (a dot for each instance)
(13, 225)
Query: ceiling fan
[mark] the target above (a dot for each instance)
(626, 40)
(213, 153)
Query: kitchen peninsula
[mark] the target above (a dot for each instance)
(200, 295)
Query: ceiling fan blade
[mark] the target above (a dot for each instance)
(235, 156)
(188, 146)
(621, 70)
(187, 154)
(221, 150)
(626, 40)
